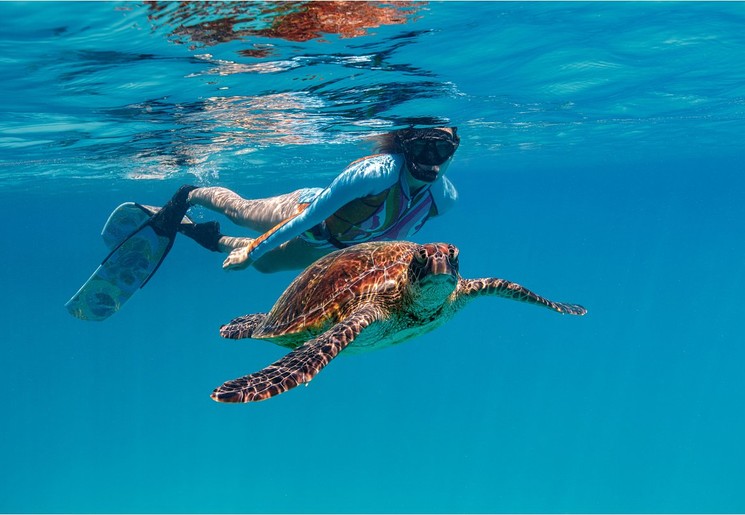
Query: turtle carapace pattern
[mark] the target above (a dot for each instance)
(366, 296)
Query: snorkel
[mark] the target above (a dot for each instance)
(427, 150)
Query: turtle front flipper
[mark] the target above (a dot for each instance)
(242, 327)
(503, 288)
(300, 365)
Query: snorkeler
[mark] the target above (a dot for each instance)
(386, 196)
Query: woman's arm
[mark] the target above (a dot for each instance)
(367, 176)
(444, 195)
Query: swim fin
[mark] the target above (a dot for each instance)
(133, 260)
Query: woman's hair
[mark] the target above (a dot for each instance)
(387, 143)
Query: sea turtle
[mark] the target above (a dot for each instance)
(366, 296)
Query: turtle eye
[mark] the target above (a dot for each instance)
(421, 255)
(453, 252)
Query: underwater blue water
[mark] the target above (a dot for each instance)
(600, 163)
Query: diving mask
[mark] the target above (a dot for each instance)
(426, 150)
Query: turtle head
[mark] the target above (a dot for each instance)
(434, 270)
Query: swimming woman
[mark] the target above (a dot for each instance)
(386, 196)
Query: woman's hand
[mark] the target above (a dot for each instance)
(238, 259)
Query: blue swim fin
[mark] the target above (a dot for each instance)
(133, 259)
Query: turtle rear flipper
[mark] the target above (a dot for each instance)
(300, 365)
(242, 327)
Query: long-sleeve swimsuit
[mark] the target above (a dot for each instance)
(370, 200)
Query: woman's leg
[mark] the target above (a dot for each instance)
(257, 214)
(228, 244)
(260, 215)
(208, 234)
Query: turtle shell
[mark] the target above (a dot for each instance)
(332, 287)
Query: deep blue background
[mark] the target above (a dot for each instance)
(632, 208)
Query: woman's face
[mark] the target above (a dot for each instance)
(429, 151)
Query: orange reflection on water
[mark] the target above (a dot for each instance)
(211, 23)
(347, 19)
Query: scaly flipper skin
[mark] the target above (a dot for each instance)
(470, 288)
(300, 365)
(242, 327)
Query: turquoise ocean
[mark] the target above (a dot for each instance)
(601, 163)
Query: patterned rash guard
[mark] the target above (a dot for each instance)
(369, 201)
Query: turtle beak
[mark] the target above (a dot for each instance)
(439, 264)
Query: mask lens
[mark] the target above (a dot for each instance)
(418, 147)
(445, 149)
(431, 149)
(432, 152)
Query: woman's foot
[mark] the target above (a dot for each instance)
(166, 221)
(207, 234)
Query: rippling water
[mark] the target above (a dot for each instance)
(174, 88)
(600, 163)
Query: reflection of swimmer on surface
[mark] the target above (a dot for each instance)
(348, 19)
(291, 21)
(386, 196)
